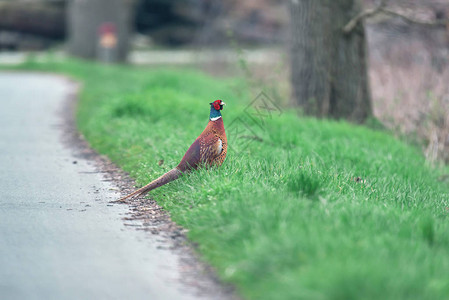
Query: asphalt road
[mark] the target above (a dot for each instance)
(59, 236)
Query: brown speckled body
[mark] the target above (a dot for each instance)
(209, 148)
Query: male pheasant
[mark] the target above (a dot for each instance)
(208, 149)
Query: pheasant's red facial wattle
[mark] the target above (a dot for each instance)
(217, 104)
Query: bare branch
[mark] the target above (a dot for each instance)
(413, 20)
(380, 8)
(364, 14)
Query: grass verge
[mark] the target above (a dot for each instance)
(313, 210)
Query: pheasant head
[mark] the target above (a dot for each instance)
(215, 108)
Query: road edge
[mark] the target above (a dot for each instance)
(145, 214)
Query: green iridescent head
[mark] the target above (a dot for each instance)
(215, 108)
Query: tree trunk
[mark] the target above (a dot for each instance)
(85, 20)
(329, 67)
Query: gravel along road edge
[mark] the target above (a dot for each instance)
(147, 216)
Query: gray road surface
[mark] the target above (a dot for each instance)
(168, 57)
(59, 238)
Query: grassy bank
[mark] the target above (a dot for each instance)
(310, 210)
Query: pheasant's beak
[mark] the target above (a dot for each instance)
(222, 103)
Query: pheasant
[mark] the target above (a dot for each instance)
(208, 149)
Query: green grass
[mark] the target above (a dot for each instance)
(284, 218)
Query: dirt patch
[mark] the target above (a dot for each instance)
(145, 214)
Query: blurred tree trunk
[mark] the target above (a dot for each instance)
(329, 67)
(86, 17)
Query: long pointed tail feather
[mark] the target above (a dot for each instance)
(164, 179)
